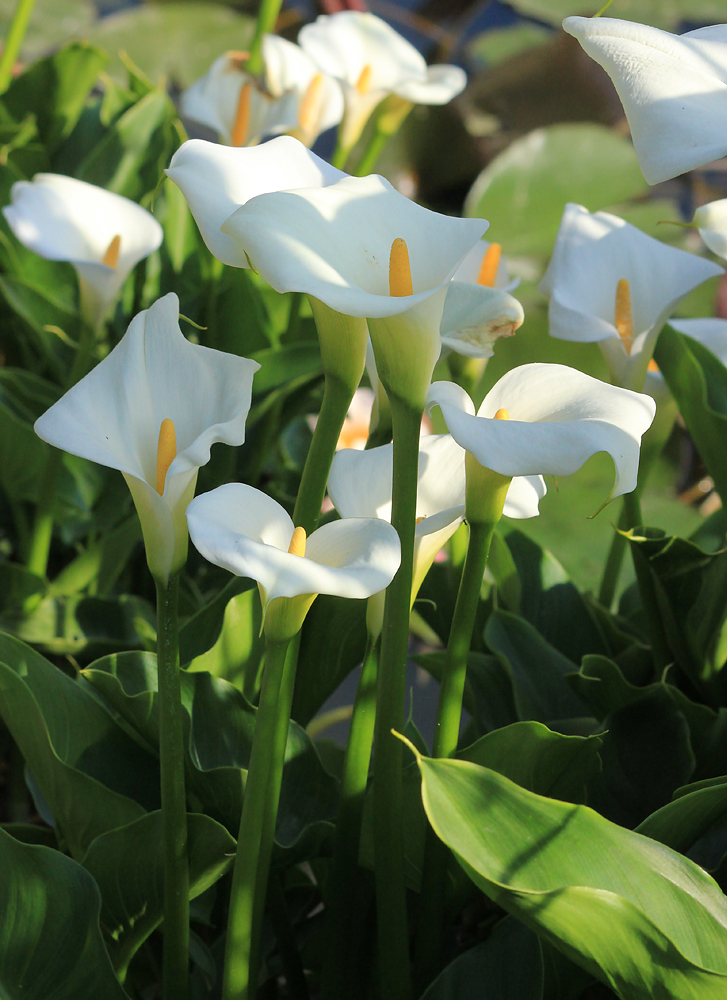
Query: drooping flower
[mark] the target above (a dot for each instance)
(371, 60)
(250, 534)
(478, 309)
(217, 180)
(360, 486)
(152, 409)
(672, 88)
(293, 96)
(609, 282)
(363, 250)
(103, 235)
(543, 419)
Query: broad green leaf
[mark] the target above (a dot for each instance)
(128, 866)
(538, 670)
(88, 770)
(50, 942)
(694, 809)
(667, 14)
(507, 966)
(237, 654)
(55, 89)
(102, 562)
(698, 382)
(285, 364)
(240, 324)
(200, 632)
(641, 918)
(194, 34)
(500, 44)
(523, 191)
(22, 457)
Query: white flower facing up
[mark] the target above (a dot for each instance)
(103, 235)
(152, 409)
(609, 282)
(673, 89)
(217, 180)
(359, 485)
(292, 96)
(478, 309)
(542, 419)
(371, 60)
(250, 534)
(364, 250)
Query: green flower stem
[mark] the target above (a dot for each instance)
(174, 805)
(336, 400)
(257, 824)
(390, 116)
(13, 41)
(430, 925)
(266, 20)
(372, 153)
(340, 153)
(40, 542)
(344, 894)
(392, 923)
(630, 518)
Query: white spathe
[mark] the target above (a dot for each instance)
(113, 417)
(558, 418)
(282, 101)
(371, 60)
(359, 485)
(248, 533)
(475, 317)
(673, 89)
(592, 253)
(711, 221)
(469, 270)
(61, 218)
(216, 180)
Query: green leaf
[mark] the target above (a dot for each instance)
(694, 809)
(524, 190)
(538, 670)
(649, 924)
(280, 365)
(507, 966)
(200, 632)
(51, 24)
(50, 942)
(237, 654)
(698, 382)
(101, 564)
(194, 36)
(128, 866)
(668, 15)
(55, 89)
(87, 769)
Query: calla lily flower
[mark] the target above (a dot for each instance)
(293, 96)
(542, 419)
(711, 221)
(217, 180)
(152, 409)
(371, 60)
(672, 88)
(102, 234)
(609, 282)
(250, 534)
(359, 485)
(364, 250)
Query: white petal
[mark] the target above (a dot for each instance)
(592, 253)
(248, 533)
(344, 44)
(216, 180)
(449, 394)
(475, 317)
(673, 89)
(711, 220)
(559, 417)
(712, 333)
(113, 415)
(469, 269)
(441, 85)
(334, 243)
(523, 496)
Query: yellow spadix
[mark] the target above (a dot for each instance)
(241, 127)
(399, 269)
(623, 317)
(166, 452)
(297, 542)
(111, 257)
(489, 266)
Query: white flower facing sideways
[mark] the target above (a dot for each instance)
(152, 409)
(479, 309)
(103, 235)
(543, 419)
(250, 534)
(293, 96)
(672, 88)
(371, 61)
(359, 485)
(609, 282)
(363, 250)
